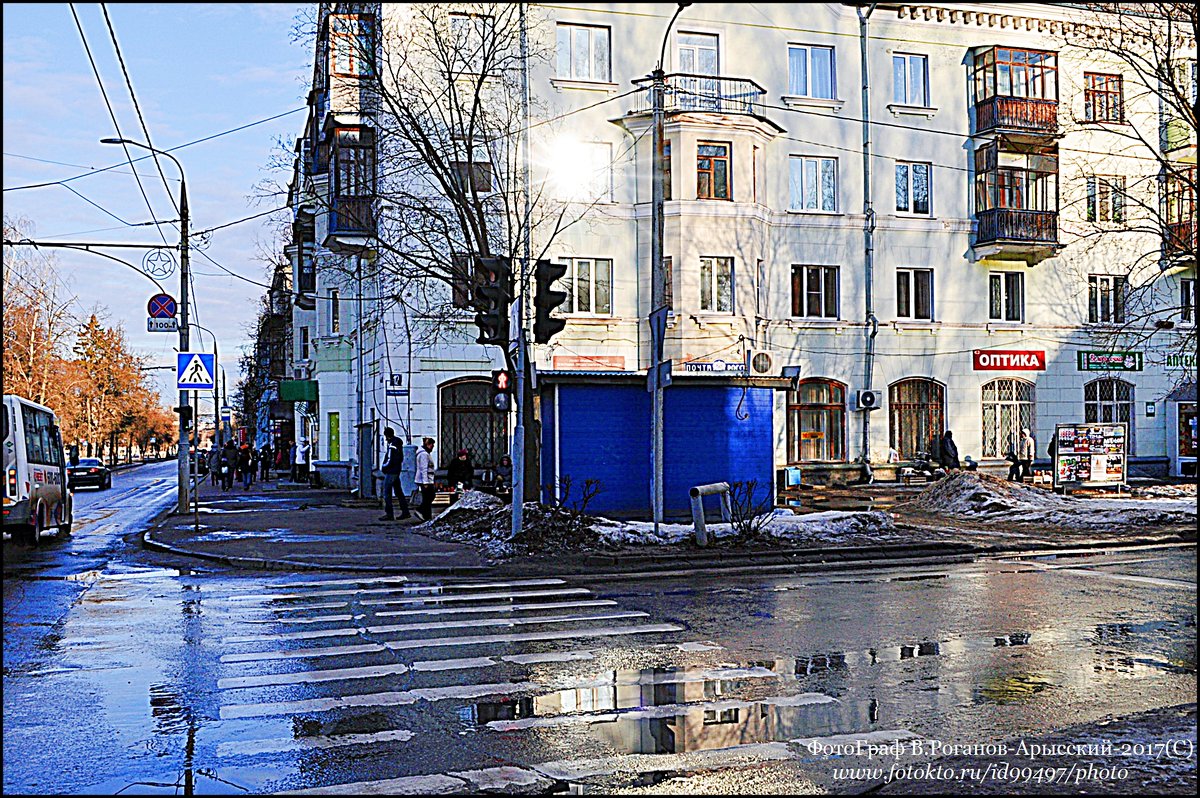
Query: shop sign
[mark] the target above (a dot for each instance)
(1181, 362)
(587, 362)
(717, 366)
(1008, 360)
(1110, 361)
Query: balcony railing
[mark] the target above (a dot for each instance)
(1009, 225)
(703, 93)
(351, 215)
(1025, 114)
(1181, 238)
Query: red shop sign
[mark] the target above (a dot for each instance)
(1008, 360)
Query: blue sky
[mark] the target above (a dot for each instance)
(197, 70)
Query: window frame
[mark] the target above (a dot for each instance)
(459, 170)
(819, 161)
(1115, 403)
(907, 98)
(349, 42)
(570, 281)
(712, 171)
(666, 169)
(335, 312)
(919, 399)
(1187, 300)
(1099, 93)
(572, 28)
(305, 343)
(910, 181)
(833, 415)
(909, 276)
(794, 89)
(803, 291)
(714, 283)
(1002, 315)
(1021, 414)
(1105, 197)
(1107, 303)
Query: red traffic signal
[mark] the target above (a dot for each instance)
(501, 391)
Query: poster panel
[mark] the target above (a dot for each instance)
(1090, 455)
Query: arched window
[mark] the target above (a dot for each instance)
(816, 422)
(916, 415)
(1007, 409)
(1107, 401)
(468, 422)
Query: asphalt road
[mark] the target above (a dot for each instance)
(129, 672)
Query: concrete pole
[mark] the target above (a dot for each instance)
(184, 477)
(657, 89)
(518, 480)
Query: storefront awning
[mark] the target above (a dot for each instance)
(1183, 393)
(298, 390)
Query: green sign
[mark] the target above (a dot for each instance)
(1110, 361)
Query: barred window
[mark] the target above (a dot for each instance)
(916, 415)
(1109, 401)
(1007, 409)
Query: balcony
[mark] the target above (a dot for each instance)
(1031, 236)
(694, 93)
(351, 216)
(1180, 239)
(1017, 114)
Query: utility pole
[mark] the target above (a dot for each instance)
(518, 482)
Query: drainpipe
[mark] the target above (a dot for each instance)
(868, 241)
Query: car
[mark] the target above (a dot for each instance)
(89, 471)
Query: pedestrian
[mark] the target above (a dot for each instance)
(1051, 448)
(461, 471)
(392, 468)
(502, 480)
(214, 466)
(229, 458)
(301, 460)
(245, 466)
(1025, 453)
(1014, 466)
(253, 463)
(948, 452)
(265, 461)
(424, 478)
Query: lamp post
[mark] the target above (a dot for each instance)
(184, 480)
(658, 88)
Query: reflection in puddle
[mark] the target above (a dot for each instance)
(1011, 689)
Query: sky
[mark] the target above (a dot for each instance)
(197, 70)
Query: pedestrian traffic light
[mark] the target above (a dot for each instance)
(546, 299)
(492, 297)
(501, 391)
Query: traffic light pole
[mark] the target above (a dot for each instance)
(518, 481)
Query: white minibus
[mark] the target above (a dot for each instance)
(35, 497)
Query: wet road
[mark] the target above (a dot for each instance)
(124, 672)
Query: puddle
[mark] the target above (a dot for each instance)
(1012, 689)
(272, 535)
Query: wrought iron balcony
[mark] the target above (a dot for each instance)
(1020, 114)
(1031, 236)
(688, 92)
(1180, 239)
(351, 216)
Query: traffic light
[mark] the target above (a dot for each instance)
(186, 411)
(501, 391)
(546, 299)
(492, 297)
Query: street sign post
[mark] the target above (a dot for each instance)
(226, 413)
(162, 325)
(194, 371)
(162, 309)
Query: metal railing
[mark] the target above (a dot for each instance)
(1016, 113)
(1019, 226)
(1180, 238)
(703, 93)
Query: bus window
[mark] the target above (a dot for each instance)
(33, 436)
(3, 422)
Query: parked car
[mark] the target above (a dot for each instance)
(89, 472)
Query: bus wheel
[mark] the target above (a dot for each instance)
(37, 527)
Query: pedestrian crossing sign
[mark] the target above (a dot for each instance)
(195, 371)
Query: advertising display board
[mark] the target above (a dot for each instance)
(1090, 455)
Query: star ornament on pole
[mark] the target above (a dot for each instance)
(159, 264)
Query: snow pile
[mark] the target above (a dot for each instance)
(971, 494)
(473, 500)
(488, 525)
(1165, 491)
(833, 527)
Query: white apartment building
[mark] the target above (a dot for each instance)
(1011, 276)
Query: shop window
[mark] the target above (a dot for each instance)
(468, 422)
(916, 416)
(1109, 401)
(1007, 409)
(816, 422)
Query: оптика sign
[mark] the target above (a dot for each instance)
(1008, 360)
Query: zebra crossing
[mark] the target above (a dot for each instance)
(397, 661)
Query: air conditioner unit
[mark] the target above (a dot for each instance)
(762, 363)
(867, 400)
(298, 373)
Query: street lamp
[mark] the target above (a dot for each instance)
(184, 479)
(658, 89)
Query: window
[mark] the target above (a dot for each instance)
(699, 56)
(1010, 180)
(583, 53)
(1006, 296)
(1102, 98)
(910, 79)
(1106, 199)
(1187, 300)
(588, 283)
(335, 313)
(813, 184)
(716, 284)
(713, 175)
(306, 280)
(666, 170)
(304, 343)
(468, 422)
(816, 422)
(1106, 298)
(41, 446)
(815, 291)
(1007, 409)
(352, 45)
(474, 177)
(916, 416)
(811, 72)
(914, 294)
(1109, 401)
(586, 174)
(1005, 72)
(473, 42)
(912, 188)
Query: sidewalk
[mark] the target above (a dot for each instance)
(294, 527)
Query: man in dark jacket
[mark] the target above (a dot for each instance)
(392, 468)
(229, 459)
(948, 454)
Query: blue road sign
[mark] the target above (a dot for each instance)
(161, 306)
(195, 371)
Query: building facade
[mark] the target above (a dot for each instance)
(990, 228)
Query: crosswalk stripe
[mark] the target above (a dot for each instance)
(552, 656)
(549, 605)
(301, 677)
(314, 619)
(711, 759)
(661, 711)
(436, 784)
(385, 699)
(362, 580)
(567, 591)
(465, 663)
(415, 627)
(462, 640)
(430, 590)
(253, 747)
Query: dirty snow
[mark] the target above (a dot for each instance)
(984, 497)
(1184, 491)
